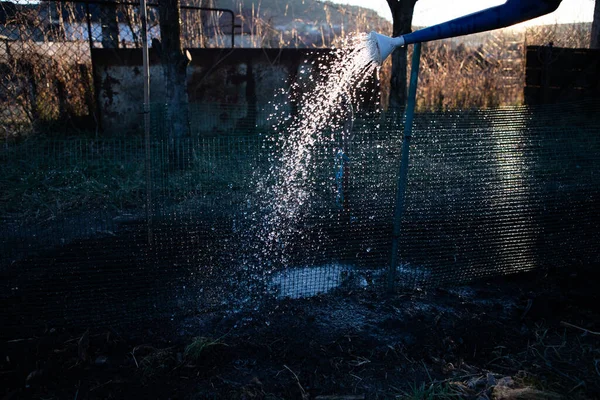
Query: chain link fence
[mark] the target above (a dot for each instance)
(490, 193)
(46, 64)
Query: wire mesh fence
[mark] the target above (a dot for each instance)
(490, 192)
(48, 80)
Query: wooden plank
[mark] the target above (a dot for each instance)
(584, 78)
(560, 61)
(538, 57)
(558, 74)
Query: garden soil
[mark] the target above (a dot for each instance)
(528, 336)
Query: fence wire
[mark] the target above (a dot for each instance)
(491, 192)
(46, 64)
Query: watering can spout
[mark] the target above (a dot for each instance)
(383, 45)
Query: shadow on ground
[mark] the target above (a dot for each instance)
(522, 337)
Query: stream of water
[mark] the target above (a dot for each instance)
(324, 95)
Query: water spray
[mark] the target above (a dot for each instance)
(510, 13)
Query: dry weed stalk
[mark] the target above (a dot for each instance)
(457, 76)
(49, 77)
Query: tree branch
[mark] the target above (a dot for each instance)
(393, 4)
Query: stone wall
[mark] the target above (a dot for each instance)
(229, 89)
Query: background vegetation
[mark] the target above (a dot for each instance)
(46, 68)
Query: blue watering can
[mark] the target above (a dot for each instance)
(510, 13)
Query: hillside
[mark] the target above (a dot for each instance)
(303, 22)
(285, 11)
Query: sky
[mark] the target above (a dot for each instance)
(430, 12)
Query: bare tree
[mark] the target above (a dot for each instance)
(110, 26)
(402, 15)
(199, 26)
(174, 61)
(595, 42)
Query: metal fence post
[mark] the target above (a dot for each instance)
(148, 153)
(95, 83)
(403, 173)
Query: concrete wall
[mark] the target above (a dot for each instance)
(224, 86)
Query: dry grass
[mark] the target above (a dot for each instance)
(199, 346)
(459, 76)
(559, 360)
(50, 80)
(486, 70)
(157, 364)
(483, 71)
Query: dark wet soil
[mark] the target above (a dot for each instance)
(529, 331)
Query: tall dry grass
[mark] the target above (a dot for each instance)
(486, 70)
(46, 75)
(473, 72)
(478, 71)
